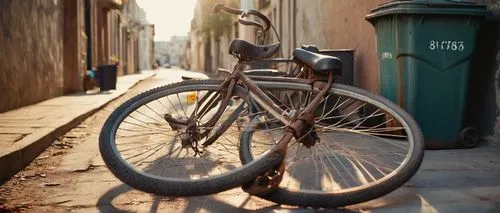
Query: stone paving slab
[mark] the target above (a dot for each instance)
(27, 131)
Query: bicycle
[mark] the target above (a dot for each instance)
(296, 141)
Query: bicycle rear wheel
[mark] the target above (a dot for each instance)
(361, 146)
(153, 142)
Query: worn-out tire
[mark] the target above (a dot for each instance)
(332, 200)
(168, 186)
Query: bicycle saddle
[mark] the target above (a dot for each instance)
(246, 51)
(318, 62)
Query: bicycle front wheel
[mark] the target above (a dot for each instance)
(155, 141)
(361, 146)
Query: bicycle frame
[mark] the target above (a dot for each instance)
(294, 123)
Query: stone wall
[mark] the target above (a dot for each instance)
(31, 67)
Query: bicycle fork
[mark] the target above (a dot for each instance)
(270, 180)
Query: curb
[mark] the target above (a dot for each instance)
(37, 142)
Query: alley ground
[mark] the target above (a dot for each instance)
(71, 177)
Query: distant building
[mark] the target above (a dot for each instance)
(146, 47)
(173, 51)
(207, 55)
(161, 53)
(138, 34)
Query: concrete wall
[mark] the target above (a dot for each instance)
(344, 27)
(338, 24)
(31, 68)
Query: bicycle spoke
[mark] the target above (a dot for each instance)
(161, 103)
(182, 106)
(173, 107)
(154, 111)
(144, 134)
(145, 127)
(134, 148)
(358, 143)
(130, 116)
(164, 165)
(314, 155)
(337, 171)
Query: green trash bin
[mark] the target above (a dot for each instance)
(424, 49)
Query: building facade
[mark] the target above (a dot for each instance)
(327, 24)
(209, 54)
(31, 51)
(341, 24)
(146, 47)
(338, 24)
(47, 46)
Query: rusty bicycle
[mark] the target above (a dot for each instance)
(303, 141)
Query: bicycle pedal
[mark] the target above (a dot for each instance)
(260, 186)
(265, 183)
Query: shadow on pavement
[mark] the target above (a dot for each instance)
(197, 204)
(209, 203)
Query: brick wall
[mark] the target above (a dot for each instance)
(31, 60)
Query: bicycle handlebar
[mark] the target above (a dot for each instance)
(219, 7)
(245, 13)
(261, 16)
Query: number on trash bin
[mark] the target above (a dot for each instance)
(447, 45)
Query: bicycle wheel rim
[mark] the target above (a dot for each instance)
(407, 166)
(161, 185)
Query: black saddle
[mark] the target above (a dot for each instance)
(318, 62)
(246, 51)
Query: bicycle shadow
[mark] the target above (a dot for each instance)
(211, 203)
(197, 204)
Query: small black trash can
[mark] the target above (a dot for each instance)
(347, 58)
(106, 75)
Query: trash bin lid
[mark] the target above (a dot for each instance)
(443, 7)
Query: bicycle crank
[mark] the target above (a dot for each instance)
(271, 179)
(266, 182)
